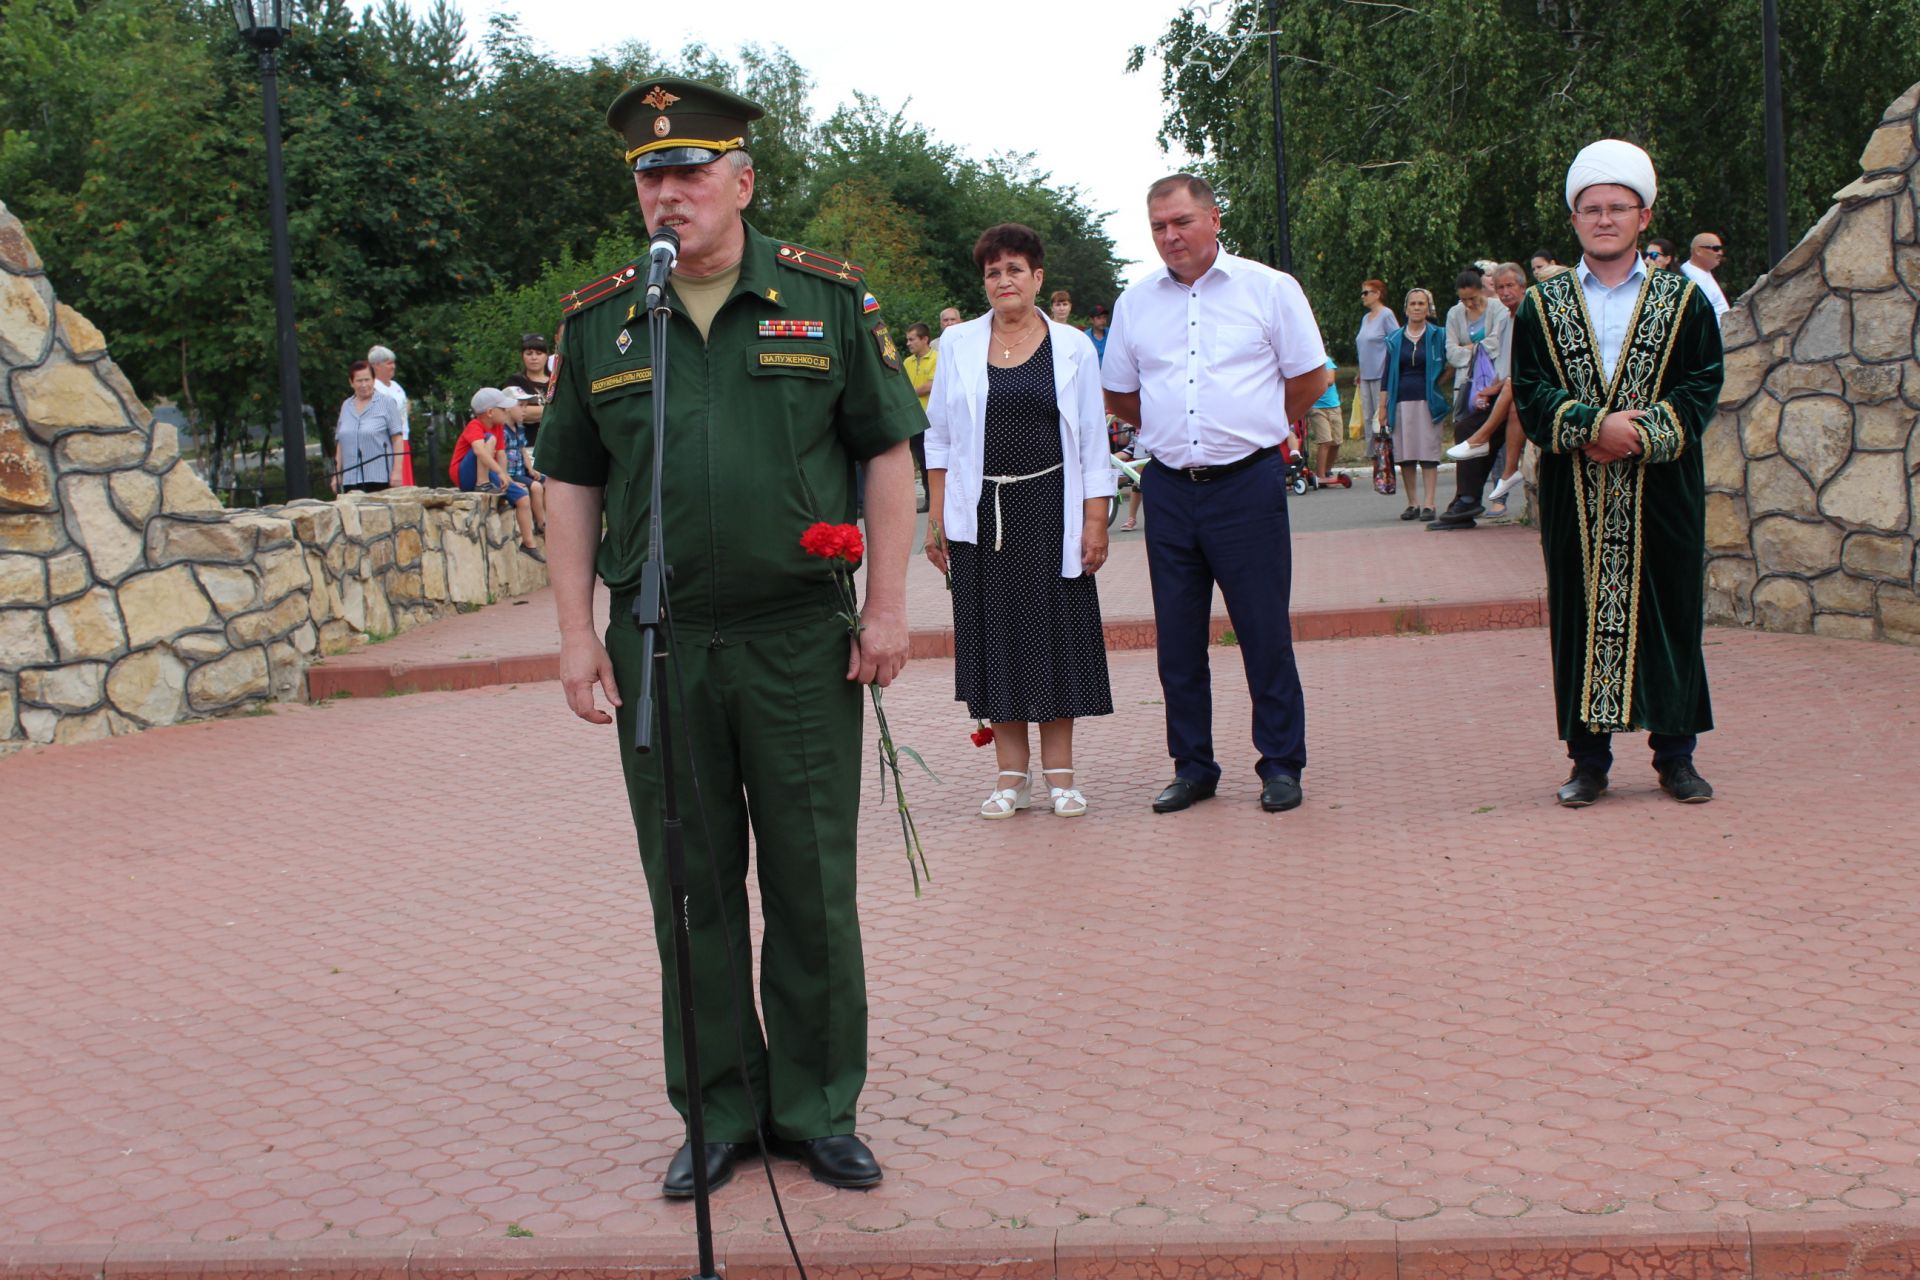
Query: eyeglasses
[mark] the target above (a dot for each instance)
(1592, 212)
(1714, 248)
(1655, 253)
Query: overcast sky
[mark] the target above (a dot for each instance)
(1046, 76)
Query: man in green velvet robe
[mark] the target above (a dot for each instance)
(1616, 372)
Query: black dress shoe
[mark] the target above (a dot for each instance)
(1277, 795)
(1411, 513)
(721, 1158)
(1459, 510)
(1582, 787)
(1181, 793)
(1680, 781)
(839, 1161)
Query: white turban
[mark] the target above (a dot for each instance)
(1611, 160)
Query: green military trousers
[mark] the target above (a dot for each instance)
(774, 727)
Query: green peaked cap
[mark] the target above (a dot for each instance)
(669, 122)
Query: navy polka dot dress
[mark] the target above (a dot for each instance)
(1027, 643)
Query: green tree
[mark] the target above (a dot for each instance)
(857, 220)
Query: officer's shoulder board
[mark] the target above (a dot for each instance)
(605, 287)
(821, 264)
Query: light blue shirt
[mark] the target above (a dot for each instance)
(1330, 398)
(1611, 310)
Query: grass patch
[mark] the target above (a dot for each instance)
(264, 709)
(379, 637)
(1228, 638)
(467, 606)
(517, 1232)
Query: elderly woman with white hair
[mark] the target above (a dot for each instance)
(382, 361)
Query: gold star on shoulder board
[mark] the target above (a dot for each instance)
(846, 275)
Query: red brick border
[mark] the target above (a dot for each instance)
(1647, 1247)
(361, 681)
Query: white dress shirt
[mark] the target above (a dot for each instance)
(1210, 361)
(956, 430)
(1708, 285)
(394, 391)
(1611, 309)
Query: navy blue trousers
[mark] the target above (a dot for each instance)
(1232, 531)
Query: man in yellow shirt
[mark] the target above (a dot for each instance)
(921, 359)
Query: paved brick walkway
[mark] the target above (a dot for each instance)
(1356, 582)
(358, 985)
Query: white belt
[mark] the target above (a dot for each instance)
(997, 481)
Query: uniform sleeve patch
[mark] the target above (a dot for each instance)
(625, 378)
(889, 354)
(870, 305)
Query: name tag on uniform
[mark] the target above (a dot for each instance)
(793, 328)
(625, 378)
(796, 360)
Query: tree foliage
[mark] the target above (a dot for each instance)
(442, 191)
(1423, 135)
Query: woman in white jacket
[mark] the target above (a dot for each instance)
(1018, 478)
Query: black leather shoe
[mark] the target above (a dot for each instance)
(839, 1161)
(1582, 787)
(1680, 781)
(1458, 510)
(1277, 795)
(721, 1158)
(1182, 793)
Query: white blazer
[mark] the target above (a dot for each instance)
(956, 429)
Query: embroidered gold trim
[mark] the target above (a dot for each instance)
(796, 360)
(624, 379)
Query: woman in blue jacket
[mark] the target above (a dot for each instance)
(1412, 407)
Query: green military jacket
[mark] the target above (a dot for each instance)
(798, 379)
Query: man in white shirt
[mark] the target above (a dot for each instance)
(383, 362)
(1212, 359)
(1704, 257)
(949, 317)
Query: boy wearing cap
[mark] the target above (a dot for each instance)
(781, 376)
(1616, 374)
(480, 460)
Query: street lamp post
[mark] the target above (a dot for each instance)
(1283, 238)
(265, 24)
(1776, 133)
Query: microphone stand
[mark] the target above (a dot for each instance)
(650, 615)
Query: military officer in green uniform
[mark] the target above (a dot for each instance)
(781, 375)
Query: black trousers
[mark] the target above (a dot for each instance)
(1231, 531)
(1595, 750)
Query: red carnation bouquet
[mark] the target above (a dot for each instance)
(842, 547)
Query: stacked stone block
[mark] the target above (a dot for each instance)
(130, 598)
(1813, 462)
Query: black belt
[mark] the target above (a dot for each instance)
(1203, 475)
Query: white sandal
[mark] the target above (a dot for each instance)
(1007, 801)
(1067, 801)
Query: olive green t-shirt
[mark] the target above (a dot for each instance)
(702, 295)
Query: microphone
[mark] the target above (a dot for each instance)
(662, 254)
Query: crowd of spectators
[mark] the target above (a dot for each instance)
(494, 453)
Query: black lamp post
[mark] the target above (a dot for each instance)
(1283, 237)
(265, 24)
(1776, 133)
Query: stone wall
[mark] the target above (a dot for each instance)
(129, 597)
(1813, 463)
